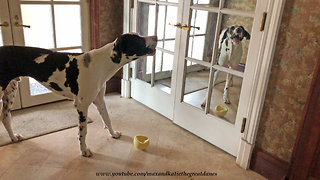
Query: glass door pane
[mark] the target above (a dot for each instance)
(53, 25)
(153, 81)
(156, 19)
(39, 17)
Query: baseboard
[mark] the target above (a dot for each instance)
(268, 166)
(114, 85)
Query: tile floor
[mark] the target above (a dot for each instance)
(56, 156)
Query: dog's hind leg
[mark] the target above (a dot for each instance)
(8, 99)
(101, 106)
(83, 112)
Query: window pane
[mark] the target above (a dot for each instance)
(166, 33)
(246, 23)
(245, 5)
(164, 76)
(146, 19)
(37, 88)
(39, 17)
(201, 40)
(196, 83)
(142, 67)
(212, 3)
(221, 90)
(68, 25)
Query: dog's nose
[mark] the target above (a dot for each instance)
(154, 38)
(151, 41)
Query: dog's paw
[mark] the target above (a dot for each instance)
(116, 134)
(17, 138)
(203, 105)
(227, 101)
(86, 152)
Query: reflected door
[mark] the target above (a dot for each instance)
(217, 59)
(51, 24)
(153, 82)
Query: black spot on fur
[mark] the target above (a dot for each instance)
(86, 60)
(225, 35)
(130, 44)
(81, 116)
(55, 86)
(116, 58)
(245, 33)
(227, 43)
(16, 61)
(72, 73)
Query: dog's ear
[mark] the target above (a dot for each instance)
(116, 53)
(245, 33)
(225, 34)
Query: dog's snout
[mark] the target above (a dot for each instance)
(151, 41)
(154, 38)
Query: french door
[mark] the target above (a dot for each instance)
(199, 53)
(59, 25)
(153, 82)
(180, 77)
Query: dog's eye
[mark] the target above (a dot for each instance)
(232, 28)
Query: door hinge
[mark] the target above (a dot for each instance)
(263, 21)
(243, 126)
(131, 4)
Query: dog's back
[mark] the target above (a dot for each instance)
(38, 63)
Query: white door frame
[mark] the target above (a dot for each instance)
(260, 79)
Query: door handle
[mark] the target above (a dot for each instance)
(186, 27)
(17, 24)
(178, 25)
(5, 24)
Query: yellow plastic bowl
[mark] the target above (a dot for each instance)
(220, 110)
(141, 142)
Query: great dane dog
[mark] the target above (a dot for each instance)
(78, 76)
(229, 53)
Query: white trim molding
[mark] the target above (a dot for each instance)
(262, 77)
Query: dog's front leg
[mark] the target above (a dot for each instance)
(101, 106)
(215, 75)
(83, 111)
(226, 89)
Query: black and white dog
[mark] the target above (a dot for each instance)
(80, 77)
(229, 53)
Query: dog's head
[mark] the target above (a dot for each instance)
(129, 47)
(236, 33)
